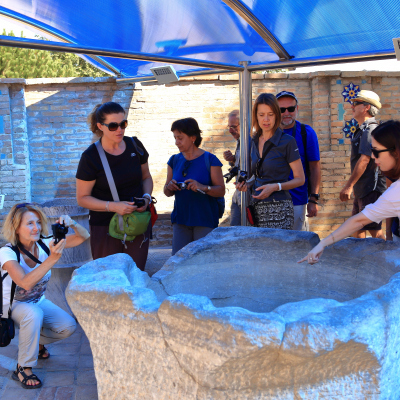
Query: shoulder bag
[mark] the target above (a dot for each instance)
(123, 227)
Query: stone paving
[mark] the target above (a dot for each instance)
(69, 373)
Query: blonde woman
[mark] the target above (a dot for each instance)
(26, 261)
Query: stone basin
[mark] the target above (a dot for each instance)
(233, 316)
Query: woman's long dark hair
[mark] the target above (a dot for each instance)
(388, 135)
(189, 127)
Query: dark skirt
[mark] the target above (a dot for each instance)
(274, 214)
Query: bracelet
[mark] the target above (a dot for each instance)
(148, 196)
(313, 201)
(279, 187)
(107, 209)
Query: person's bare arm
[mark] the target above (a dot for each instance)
(80, 233)
(29, 280)
(315, 181)
(147, 185)
(298, 180)
(353, 224)
(85, 199)
(359, 169)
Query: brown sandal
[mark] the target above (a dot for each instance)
(20, 370)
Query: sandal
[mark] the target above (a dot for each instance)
(41, 355)
(20, 370)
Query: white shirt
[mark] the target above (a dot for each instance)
(387, 206)
(36, 294)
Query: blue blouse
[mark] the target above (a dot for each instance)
(194, 208)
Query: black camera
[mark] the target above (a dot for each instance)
(242, 176)
(59, 232)
(181, 185)
(139, 202)
(231, 174)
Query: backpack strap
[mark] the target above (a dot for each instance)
(13, 285)
(307, 164)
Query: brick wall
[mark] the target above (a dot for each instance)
(43, 129)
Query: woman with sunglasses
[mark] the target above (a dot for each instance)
(273, 155)
(386, 153)
(129, 166)
(26, 262)
(195, 178)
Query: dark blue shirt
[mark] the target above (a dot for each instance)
(300, 194)
(194, 208)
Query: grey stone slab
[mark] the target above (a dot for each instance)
(87, 392)
(85, 362)
(241, 319)
(59, 378)
(86, 377)
(61, 363)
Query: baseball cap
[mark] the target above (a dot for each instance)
(285, 93)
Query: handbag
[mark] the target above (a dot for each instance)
(153, 211)
(123, 227)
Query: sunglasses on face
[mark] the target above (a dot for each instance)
(185, 168)
(377, 152)
(290, 109)
(356, 103)
(113, 126)
(232, 126)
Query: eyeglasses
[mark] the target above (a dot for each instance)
(113, 126)
(186, 167)
(290, 109)
(232, 126)
(377, 152)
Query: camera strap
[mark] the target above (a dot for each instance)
(30, 255)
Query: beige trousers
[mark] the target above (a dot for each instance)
(39, 323)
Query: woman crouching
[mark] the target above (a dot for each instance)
(27, 261)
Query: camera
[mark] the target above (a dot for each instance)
(59, 232)
(242, 176)
(139, 202)
(231, 174)
(181, 185)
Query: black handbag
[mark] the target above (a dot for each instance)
(7, 328)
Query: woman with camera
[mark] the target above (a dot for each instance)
(386, 153)
(26, 263)
(273, 155)
(128, 161)
(194, 177)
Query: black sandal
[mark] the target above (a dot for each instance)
(42, 353)
(20, 370)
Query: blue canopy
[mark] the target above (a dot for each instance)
(269, 34)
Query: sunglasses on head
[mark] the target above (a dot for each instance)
(290, 109)
(377, 152)
(22, 205)
(113, 126)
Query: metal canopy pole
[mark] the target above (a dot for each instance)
(245, 100)
(130, 55)
(55, 34)
(245, 12)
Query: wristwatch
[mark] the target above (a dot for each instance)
(314, 195)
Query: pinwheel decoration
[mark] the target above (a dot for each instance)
(350, 128)
(350, 92)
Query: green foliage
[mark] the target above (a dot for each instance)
(27, 63)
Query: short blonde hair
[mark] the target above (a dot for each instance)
(14, 217)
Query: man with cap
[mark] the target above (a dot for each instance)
(305, 198)
(366, 180)
(234, 160)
